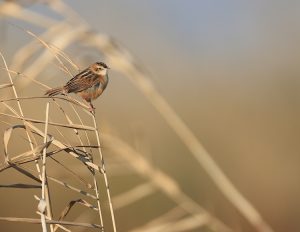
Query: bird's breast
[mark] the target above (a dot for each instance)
(96, 90)
(92, 93)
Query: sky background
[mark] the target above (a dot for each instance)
(231, 71)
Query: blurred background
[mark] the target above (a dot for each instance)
(229, 69)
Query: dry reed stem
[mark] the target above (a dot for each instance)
(58, 226)
(44, 177)
(24, 122)
(67, 99)
(173, 214)
(72, 126)
(38, 221)
(66, 185)
(46, 57)
(133, 195)
(59, 144)
(160, 180)
(24, 53)
(93, 173)
(105, 176)
(184, 224)
(16, 11)
(67, 209)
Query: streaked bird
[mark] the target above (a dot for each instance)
(89, 84)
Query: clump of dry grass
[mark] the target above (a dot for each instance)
(66, 127)
(50, 146)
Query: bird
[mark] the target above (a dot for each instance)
(89, 84)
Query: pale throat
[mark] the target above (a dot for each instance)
(102, 72)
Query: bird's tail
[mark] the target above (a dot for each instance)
(55, 91)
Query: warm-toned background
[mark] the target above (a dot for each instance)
(231, 71)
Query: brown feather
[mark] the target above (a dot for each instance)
(84, 80)
(55, 91)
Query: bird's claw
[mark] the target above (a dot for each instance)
(92, 108)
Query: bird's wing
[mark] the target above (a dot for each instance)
(82, 81)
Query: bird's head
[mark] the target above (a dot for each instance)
(99, 68)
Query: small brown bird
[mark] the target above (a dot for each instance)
(89, 84)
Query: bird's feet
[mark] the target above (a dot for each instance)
(92, 108)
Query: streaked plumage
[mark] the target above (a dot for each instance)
(89, 84)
